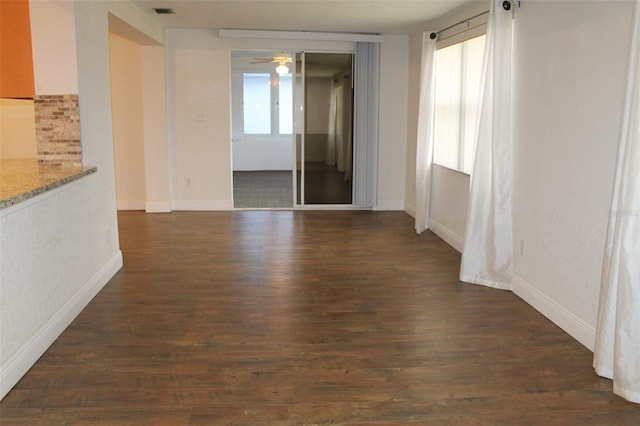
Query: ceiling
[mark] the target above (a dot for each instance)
(351, 16)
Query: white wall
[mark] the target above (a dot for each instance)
(148, 168)
(198, 76)
(570, 60)
(449, 204)
(60, 248)
(154, 121)
(394, 83)
(413, 102)
(198, 83)
(263, 153)
(127, 114)
(57, 253)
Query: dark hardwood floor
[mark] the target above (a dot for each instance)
(301, 318)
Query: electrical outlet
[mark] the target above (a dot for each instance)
(200, 116)
(187, 182)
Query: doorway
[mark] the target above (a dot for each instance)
(291, 128)
(262, 128)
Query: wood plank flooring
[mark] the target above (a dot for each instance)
(305, 318)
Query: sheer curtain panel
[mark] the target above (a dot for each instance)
(487, 255)
(617, 350)
(424, 146)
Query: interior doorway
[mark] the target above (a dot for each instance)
(292, 137)
(138, 111)
(262, 129)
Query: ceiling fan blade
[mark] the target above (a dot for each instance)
(262, 60)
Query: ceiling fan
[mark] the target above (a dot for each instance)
(281, 60)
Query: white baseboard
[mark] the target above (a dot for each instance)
(410, 209)
(157, 206)
(130, 204)
(389, 205)
(559, 315)
(203, 205)
(450, 237)
(12, 370)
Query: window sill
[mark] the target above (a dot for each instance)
(453, 170)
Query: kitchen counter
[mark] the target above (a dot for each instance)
(21, 179)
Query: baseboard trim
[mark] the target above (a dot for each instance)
(410, 209)
(559, 315)
(203, 205)
(130, 204)
(450, 237)
(157, 206)
(12, 370)
(389, 205)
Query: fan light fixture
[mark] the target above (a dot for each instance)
(281, 60)
(282, 69)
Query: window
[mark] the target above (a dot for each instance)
(267, 104)
(257, 103)
(457, 98)
(285, 104)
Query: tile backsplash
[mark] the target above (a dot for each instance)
(58, 130)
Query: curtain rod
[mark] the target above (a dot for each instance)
(435, 34)
(506, 5)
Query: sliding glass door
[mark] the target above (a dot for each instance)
(323, 122)
(304, 128)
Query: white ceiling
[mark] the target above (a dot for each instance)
(362, 16)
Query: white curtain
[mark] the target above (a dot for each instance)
(617, 350)
(487, 255)
(424, 147)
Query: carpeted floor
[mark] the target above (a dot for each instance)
(274, 189)
(263, 189)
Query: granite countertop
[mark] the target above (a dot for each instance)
(24, 178)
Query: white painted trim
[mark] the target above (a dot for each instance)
(12, 370)
(130, 204)
(410, 209)
(203, 205)
(576, 327)
(157, 206)
(389, 205)
(450, 237)
(301, 35)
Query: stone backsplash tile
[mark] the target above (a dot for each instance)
(58, 130)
